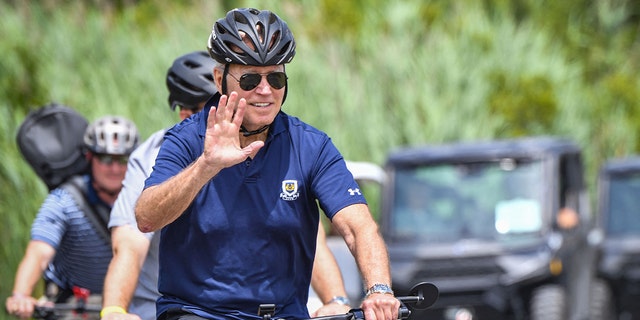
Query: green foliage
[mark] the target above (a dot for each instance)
(20, 84)
(373, 75)
(526, 105)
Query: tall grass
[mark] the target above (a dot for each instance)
(374, 76)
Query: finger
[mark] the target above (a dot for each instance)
(239, 113)
(223, 100)
(253, 147)
(8, 304)
(211, 121)
(388, 314)
(371, 315)
(231, 106)
(219, 109)
(24, 310)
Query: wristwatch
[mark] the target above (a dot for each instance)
(340, 300)
(379, 288)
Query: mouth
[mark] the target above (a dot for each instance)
(260, 104)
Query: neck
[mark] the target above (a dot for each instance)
(108, 197)
(246, 140)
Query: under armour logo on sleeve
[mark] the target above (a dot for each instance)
(355, 191)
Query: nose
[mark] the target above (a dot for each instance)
(263, 87)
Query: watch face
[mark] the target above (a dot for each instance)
(379, 288)
(340, 300)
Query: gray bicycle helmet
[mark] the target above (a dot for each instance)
(111, 135)
(190, 80)
(251, 37)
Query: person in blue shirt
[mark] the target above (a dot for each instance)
(235, 192)
(130, 286)
(66, 248)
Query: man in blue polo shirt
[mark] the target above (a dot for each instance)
(234, 190)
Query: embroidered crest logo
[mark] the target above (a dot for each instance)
(289, 190)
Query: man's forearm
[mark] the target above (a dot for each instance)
(162, 204)
(35, 261)
(130, 248)
(120, 283)
(361, 234)
(373, 260)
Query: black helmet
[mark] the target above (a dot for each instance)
(111, 135)
(251, 37)
(190, 80)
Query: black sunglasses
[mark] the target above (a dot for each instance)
(250, 81)
(109, 159)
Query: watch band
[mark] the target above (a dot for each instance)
(340, 300)
(379, 288)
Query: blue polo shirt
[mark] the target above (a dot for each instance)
(249, 237)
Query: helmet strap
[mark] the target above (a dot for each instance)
(224, 78)
(286, 87)
(247, 133)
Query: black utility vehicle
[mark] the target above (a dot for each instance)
(619, 220)
(499, 226)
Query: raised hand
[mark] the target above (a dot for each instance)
(222, 146)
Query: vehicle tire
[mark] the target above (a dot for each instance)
(548, 302)
(601, 305)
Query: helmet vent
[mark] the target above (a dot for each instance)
(260, 30)
(220, 29)
(274, 37)
(285, 48)
(241, 18)
(186, 86)
(192, 64)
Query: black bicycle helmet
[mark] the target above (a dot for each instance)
(190, 80)
(111, 135)
(251, 37)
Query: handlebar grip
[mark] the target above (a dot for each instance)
(358, 314)
(404, 313)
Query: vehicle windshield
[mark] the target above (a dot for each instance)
(624, 201)
(499, 200)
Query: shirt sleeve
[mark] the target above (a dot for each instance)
(333, 184)
(50, 223)
(181, 146)
(138, 169)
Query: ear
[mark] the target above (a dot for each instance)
(185, 113)
(217, 78)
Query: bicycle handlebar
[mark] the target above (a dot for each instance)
(421, 296)
(53, 312)
(358, 314)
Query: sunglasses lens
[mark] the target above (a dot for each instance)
(109, 159)
(249, 81)
(277, 79)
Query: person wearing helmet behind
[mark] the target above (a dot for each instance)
(131, 282)
(234, 190)
(67, 248)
